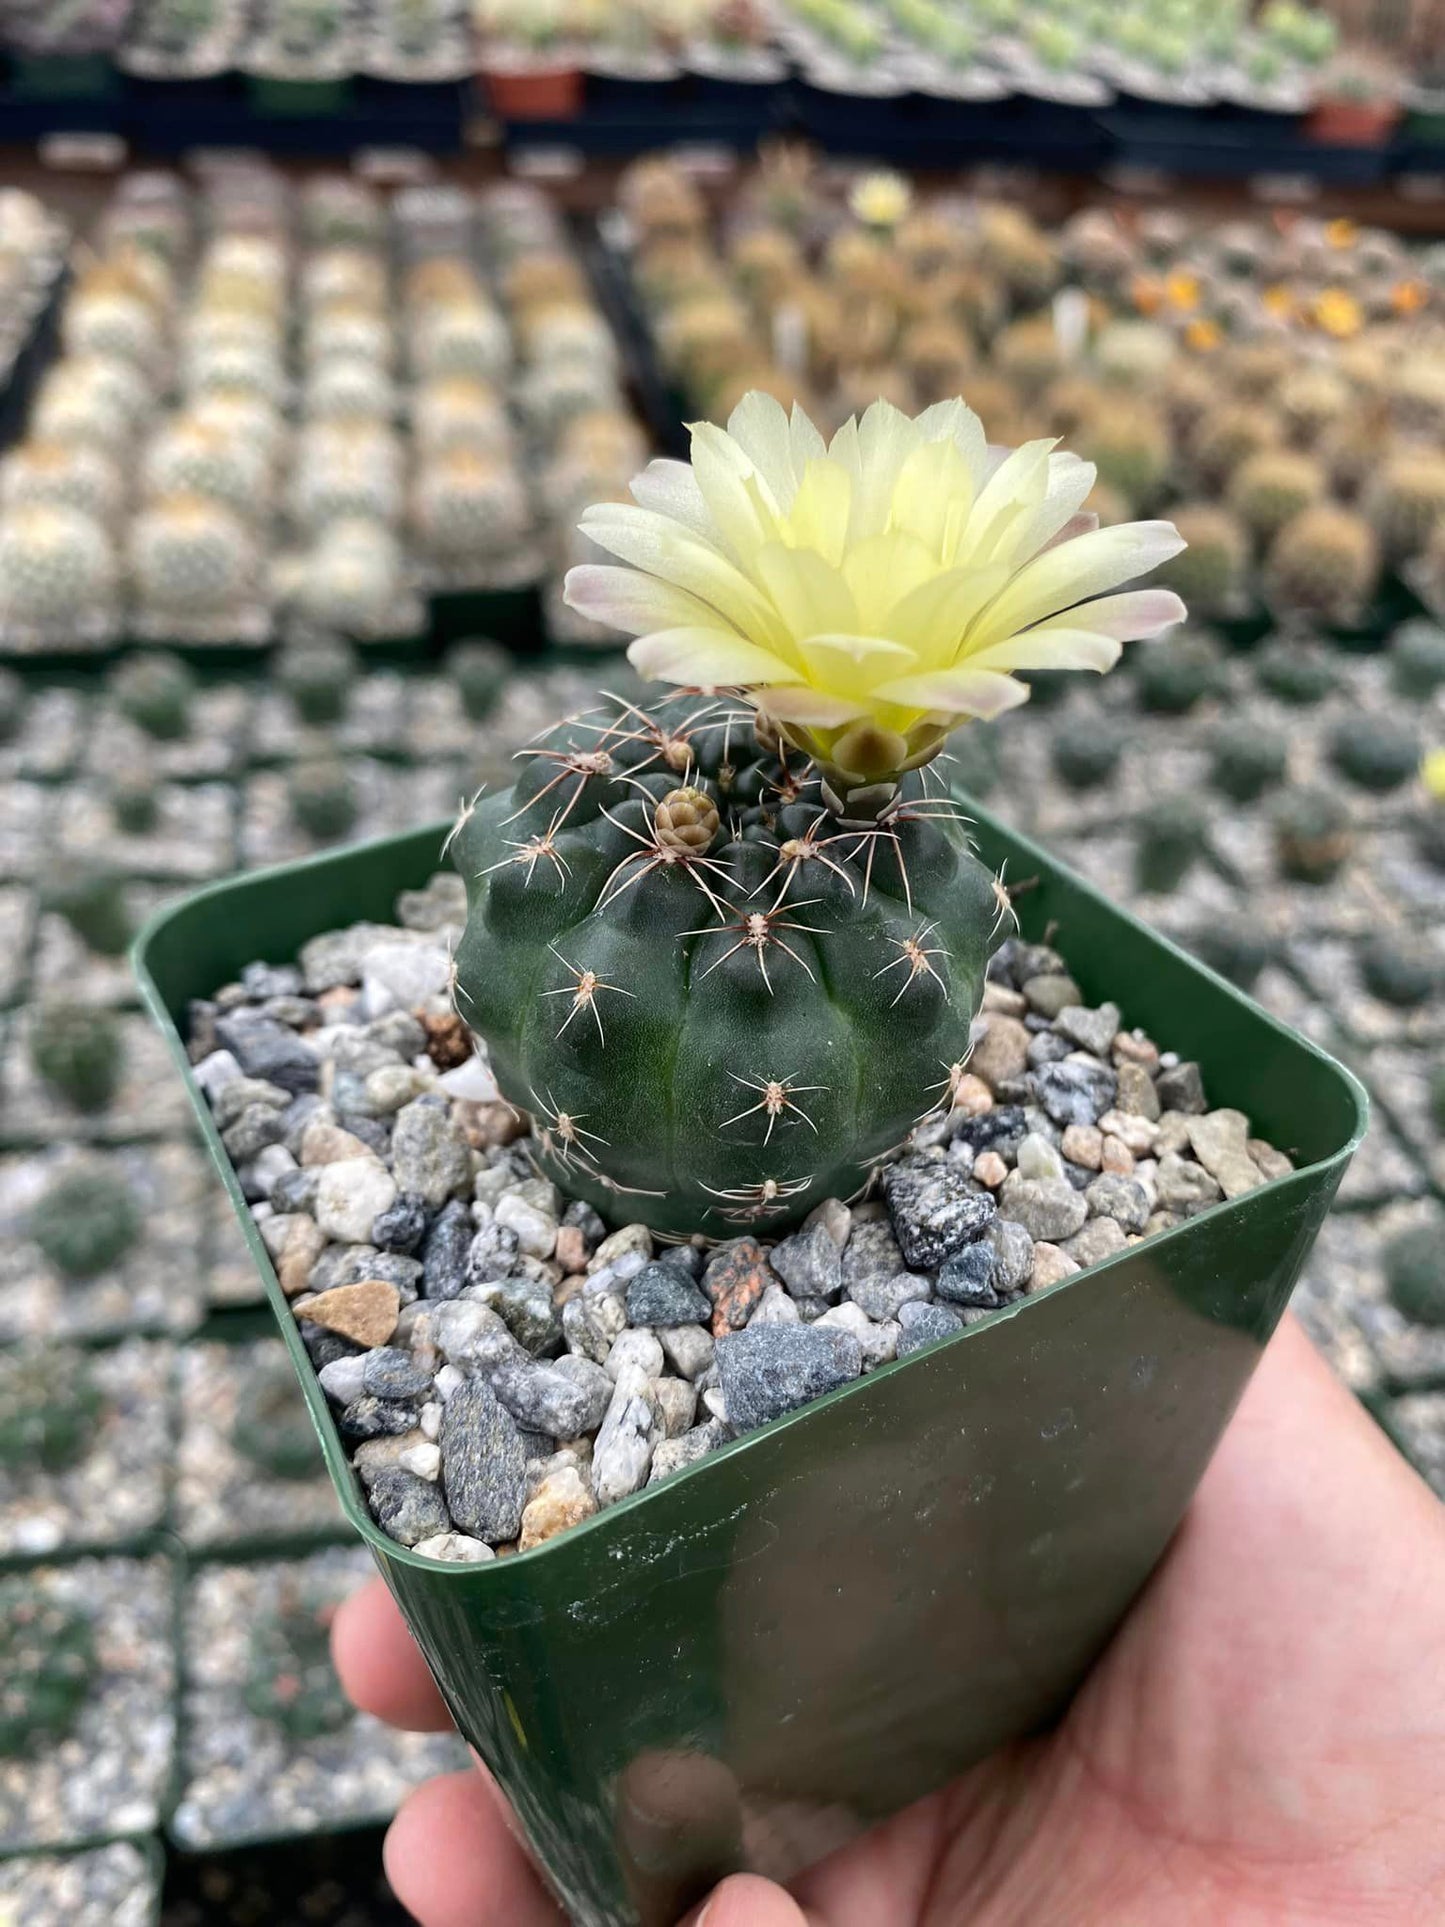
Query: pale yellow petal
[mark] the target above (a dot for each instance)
(741, 507)
(796, 703)
(631, 601)
(1074, 571)
(808, 593)
(819, 516)
(670, 489)
(711, 658)
(852, 665)
(958, 692)
(662, 548)
(934, 484)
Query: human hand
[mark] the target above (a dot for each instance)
(1262, 1745)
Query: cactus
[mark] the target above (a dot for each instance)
(56, 566)
(1234, 946)
(1027, 352)
(1295, 672)
(468, 338)
(77, 1050)
(459, 413)
(1227, 436)
(290, 1680)
(1248, 759)
(62, 475)
(1379, 752)
(480, 670)
(1169, 841)
(1131, 448)
(1312, 399)
(1086, 758)
(542, 280)
(556, 393)
(50, 1407)
(1417, 660)
(90, 402)
(322, 799)
(1209, 574)
(1323, 563)
(1405, 501)
(192, 559)
(197, 458)
(1312, 835)
(155, 691)
(1415, 1271)
(318, 678)
(1399, 969)
(47, 1662)
(133, 797)
(1271, 488)
(91, 898)
(86, 1220)
(346, 332)
(272, 1427)
(470, 508)
(352, 579)
(347, 471)
(1429, 832)
(653, 911)
(1174, 678)
(12, 705)
(348, 388)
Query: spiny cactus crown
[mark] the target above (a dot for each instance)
(722, 1000)
(47, 1660)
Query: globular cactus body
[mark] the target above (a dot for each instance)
(47, 1661)
(722, 1002)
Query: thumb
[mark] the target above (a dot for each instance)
(747, 1900)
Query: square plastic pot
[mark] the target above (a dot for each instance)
(833, 1615)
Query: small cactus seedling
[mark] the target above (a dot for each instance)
(1417, 659)
(728, 948)
(479, 670)
(1248, 759)
(77, 1050)
(47, 1662)
(56, 565)
(272, 1427)
(1415, 1272)
(290, 1680)
(1399, 969)
(1176, 677)
(1313, 839)
(155, 691)
(92, 901)
(193, 559)
(1086, 757)
(1169, 841)
(322, 799)
(134, 799)
(1405, 501)
(87, 1220)
(318, 677)
(1379, 752)
(1295, 672)
(1323, 563)
(50, 1408)
(469, 506)
(1271, 488)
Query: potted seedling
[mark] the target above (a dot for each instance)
(743, 1324)
(530, 59)
(1357, 103)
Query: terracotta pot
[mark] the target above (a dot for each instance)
(1353, 123)
(542, 93)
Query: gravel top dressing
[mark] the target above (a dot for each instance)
(503, 1365)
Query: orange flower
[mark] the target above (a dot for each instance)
(1147, 292)
(1279, 300)
(1341, 233)
(1204, 335)
(1408, 297)
(1182, 289)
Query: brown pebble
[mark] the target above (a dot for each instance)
(1273, 1163)
(990, 1169)
(485, 1126)
(305, 1242)
(448, 1041)
(972, 1096)
(561, 1501)
(326, 1143)
(567, 1290)
(1137, 1094)
(1005, 1002)
(1001, 1053)
(1117, 1158)
(1050, 1265)
(735, 1281)
(365, 1312)
(1083, 1144)
(1131, 1047)
(570, 1250)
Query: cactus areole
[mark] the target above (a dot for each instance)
(727, 948)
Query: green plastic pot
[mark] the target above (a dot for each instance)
(832, 1616)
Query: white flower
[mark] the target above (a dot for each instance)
(870, 593)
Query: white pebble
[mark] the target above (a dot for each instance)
(449, 1380)
(639, 1346)
(424, 1460)
(350, 1196)
(341, 1380)
(1037, 1158)
(536, 1232)
(716, 1404)
(430, 1416)
(472, 1082)
(457, 1548)
(213, 1073)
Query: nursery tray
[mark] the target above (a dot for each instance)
(830, 1617)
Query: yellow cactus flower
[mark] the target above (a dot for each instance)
(1203, 335)
(1338, 313)
(1432, 772)
(1182, 289)
(870, 593)
(1341, 233)
(881, 199)
(1409, 297)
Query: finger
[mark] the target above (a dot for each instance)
(452, 1861)
(747, 1900)
(379, 1665)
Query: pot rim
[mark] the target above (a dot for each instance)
(344, 1478)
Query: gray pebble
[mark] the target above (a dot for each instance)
(493, 1254)
(1049, 1209)
(472, 1335)
(968, 1277)
(1184, 1187)
(809, 1263)
(639, 1350)
(402, 1227)
(673, 1454)
(1137, 1094)
(1050, 992)
(934, 1207)
(1076, 1092)
(877, 1339)
(1090, 1030)
(1099, 1239)
(546, 1399)
(1181, 1088)
(688, 1349)
(409, 1508)
(1120, 1198)
(591, 1324)
(484, 1464)
(1013, 1251)
(526, 1305)
(925, 1324)
(255, 1128)
(767, 1370)
(444, 1254)
(663, 1294)
(775, 1307)
(268, 1050)
(369, 1417)
(390, 1373)
(631, 1431)
(341, 1380)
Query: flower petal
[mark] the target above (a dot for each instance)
(1074, 571)
(956, 692)
(631, 601)
(797, 703)
(739, 502)
(808, 593)
(670, 489)
(759, 427)
(712, 658)
(664, 549)
(1088, 637)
